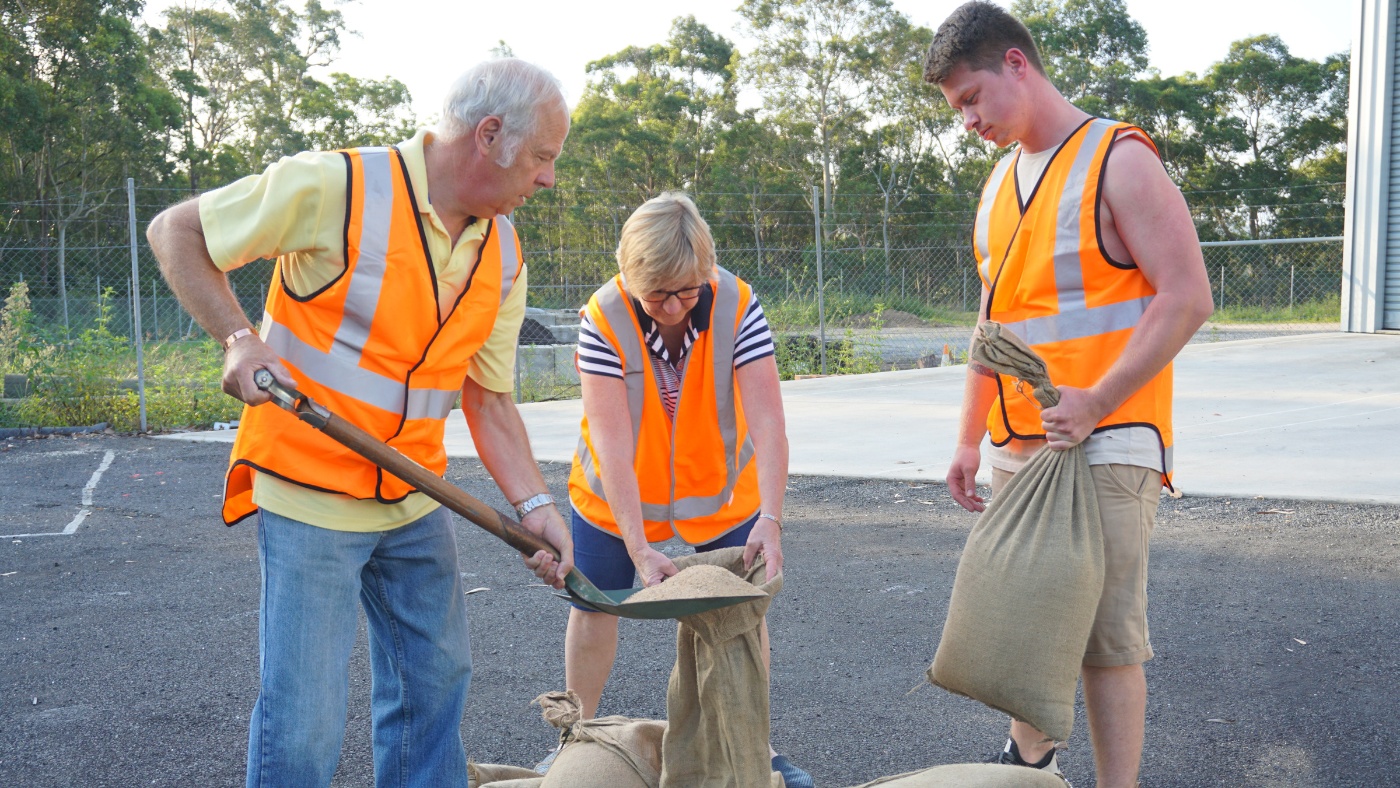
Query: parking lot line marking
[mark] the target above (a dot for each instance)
(86, 501)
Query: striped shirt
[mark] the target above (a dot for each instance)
(596, 356)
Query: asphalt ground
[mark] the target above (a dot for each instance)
(130, 654)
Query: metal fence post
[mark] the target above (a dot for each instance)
(821, 288)
(136, 315)
(1292, 272)
(1222, 286)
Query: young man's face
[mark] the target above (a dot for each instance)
(990, 102)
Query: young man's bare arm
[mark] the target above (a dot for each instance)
(1150, 216)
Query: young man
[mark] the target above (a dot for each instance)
(1098, 268)
(399, 284)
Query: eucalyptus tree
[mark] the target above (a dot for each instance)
(816, 65)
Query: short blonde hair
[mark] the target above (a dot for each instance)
(665, 242)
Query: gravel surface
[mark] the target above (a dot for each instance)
(130, 651)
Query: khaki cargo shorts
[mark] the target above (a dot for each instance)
(1128, 497)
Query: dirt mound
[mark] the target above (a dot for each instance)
(890, 318)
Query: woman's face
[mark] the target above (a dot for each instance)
(670, 304)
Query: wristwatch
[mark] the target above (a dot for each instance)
(531, 504)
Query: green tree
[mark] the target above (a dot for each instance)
(1091, 49)
(815, 65)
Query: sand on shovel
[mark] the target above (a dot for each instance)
(701, 581)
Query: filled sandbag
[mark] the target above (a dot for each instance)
(480, 775)
(971, 775)
(606, 752)
(717, 698)
(1030, 577)
(523, 782)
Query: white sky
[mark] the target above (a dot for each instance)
(425, 43)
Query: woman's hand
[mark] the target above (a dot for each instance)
(767, 538)
(652, 566)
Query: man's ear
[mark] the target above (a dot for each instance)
(488, 134)
(1017, 61)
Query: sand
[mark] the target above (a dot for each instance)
(696, 582)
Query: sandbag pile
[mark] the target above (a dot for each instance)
(1030, 577)
(717, 698)
(971, 775)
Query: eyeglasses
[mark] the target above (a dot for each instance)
(660, 297)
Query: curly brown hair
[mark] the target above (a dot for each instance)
(978, 33)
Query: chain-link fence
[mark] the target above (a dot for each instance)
(883, 291)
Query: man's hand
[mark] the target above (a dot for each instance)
(248, 355)
(1067, 424)
(546, 523)
(652, 566)
(962, 478)
(766, 538)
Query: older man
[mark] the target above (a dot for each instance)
(398, 283)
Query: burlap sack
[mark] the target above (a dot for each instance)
(1030, 577)
(971, 775)
(480, 775)
(523, 782)
(717, 699)
(606, 752)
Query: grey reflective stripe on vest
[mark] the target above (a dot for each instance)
(510, 261)
(344, 375)
(1075, 320)
(1069, 272)
(981, 233)
(367, 280)
(613, 304)
(339, 369)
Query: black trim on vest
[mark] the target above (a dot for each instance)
(1098, 214)
(1016, 180)
(345, 243)
(422, 234)
(408, 379)
(260, 469)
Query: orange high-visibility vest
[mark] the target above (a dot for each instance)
(1053, 284)
(370, 346)
(697, 475)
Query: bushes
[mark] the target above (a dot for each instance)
(92, 378)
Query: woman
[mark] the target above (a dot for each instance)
(683, 432)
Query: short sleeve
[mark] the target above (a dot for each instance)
(493, 366)
(296, 207)
(755, 339)
(596, 356)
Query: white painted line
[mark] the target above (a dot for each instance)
(87, 501)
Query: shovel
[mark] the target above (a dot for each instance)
(579, 589)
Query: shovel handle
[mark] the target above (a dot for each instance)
(392, 460)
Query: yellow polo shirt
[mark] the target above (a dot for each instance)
(295, 209)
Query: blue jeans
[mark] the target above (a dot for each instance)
(313, 582)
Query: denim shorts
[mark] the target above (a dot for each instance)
(602, 557)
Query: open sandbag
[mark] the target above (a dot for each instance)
(717, 699)
(971, 775)
(606, 752)
(1030, 577)
(480, 775)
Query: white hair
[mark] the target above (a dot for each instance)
(511, 89)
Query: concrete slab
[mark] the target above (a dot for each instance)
(1314, 417)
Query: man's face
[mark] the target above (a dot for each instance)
(988, 101)
(533, 168)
